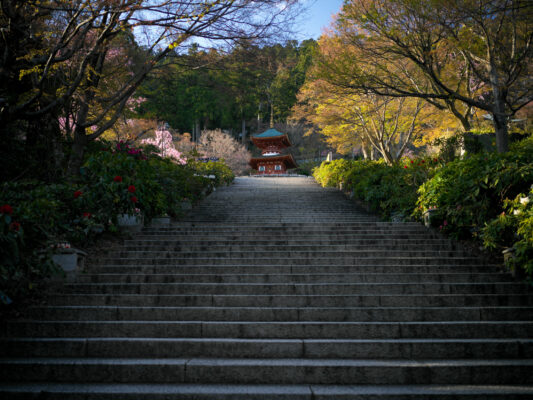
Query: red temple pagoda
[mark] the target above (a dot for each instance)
(272, 162)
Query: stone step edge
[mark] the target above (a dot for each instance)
(290, 284)
(244, 392)
(437, 273)
(296, 296)
(266, 340)
(286, 323)
(273, 308)
(78, 361)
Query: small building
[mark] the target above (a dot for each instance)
(272, 162)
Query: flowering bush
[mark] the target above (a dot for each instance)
(215, 143)
(34, 215)
(125, 148)
(163, 142)
(157, 186)
(28, 219)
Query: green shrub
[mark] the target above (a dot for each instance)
(513, 228)
(30, 215)
(469, 192)
(36, 215)
(390, 191)
(223, 174)
(332, 173)
(307, 167)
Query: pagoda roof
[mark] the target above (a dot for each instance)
(271, 135)
(287, 159)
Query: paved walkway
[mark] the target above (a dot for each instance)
(275, 288)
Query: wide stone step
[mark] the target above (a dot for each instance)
(262, 237)
(233, 247)
(326, 240)
(298, 288)
(76, 391)
(290, 228)
(266, 348)
(370, 221)
(391, 233)
(295, 278)
(292, 269)
(331, 254)
(207, 300)
(365, 314)
(216, 217)
(268, 371)
(271, 330)
(226, 260)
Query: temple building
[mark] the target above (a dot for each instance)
(272, 162)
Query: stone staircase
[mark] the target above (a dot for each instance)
(275, 288)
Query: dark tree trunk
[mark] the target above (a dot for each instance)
(501, 130)
(78, 152)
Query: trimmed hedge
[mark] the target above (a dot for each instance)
(469, 195)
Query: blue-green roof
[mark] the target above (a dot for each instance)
(270, 133)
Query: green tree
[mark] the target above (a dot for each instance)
(67, 53)
(459, 54)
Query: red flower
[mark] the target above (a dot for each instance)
(87, 215)
(6, 209)
(131, 189)
(77, 194)
(436, 160)
(14, 226)
(405, 166)
(423, 161)
(134, 199)
(117, 178)
(412, 162)
(445, 223)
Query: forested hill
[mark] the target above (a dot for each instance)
(214, 89)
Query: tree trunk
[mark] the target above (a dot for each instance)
(499, 117)
(197, 130)
(465, 122)
(365, 151)
(243, 131)
(271, 115)
(501, 130)
(78, 151)
(463, 119)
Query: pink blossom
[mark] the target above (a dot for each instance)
(163, 141)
